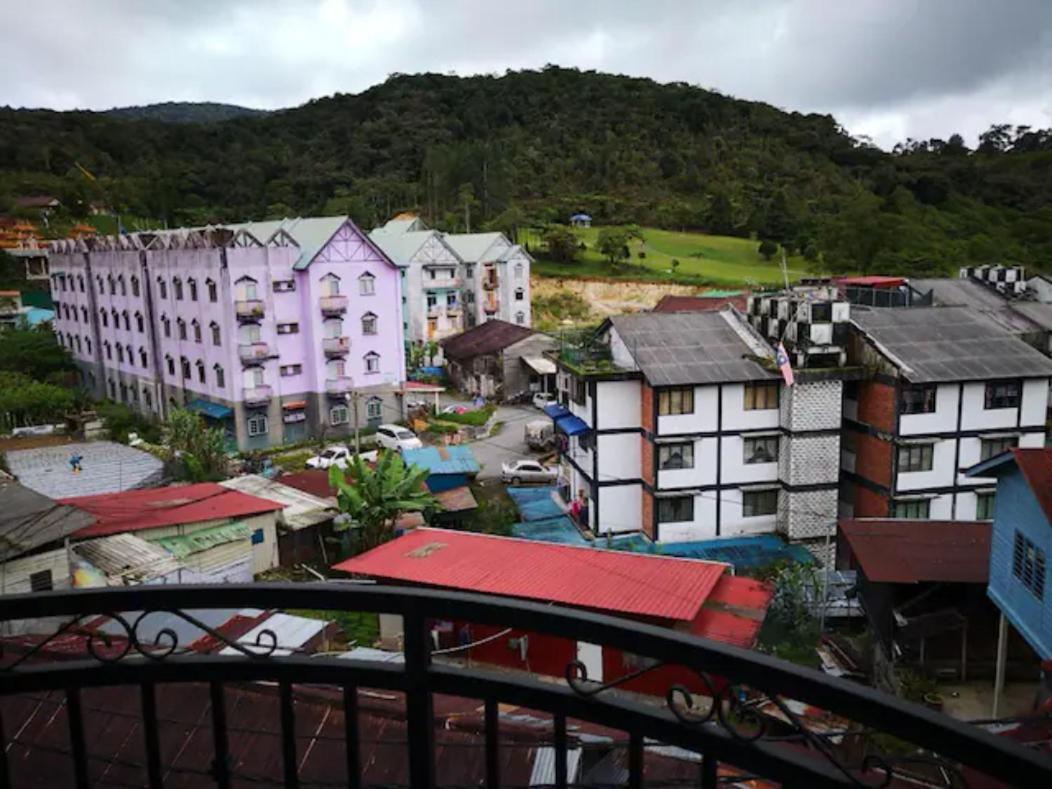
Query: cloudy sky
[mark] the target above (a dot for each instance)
(885, 68)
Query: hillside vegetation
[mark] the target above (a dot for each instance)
(531, 147)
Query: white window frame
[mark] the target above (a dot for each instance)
(367, 284)
(257, 425)
(372, 362)
(339, 415)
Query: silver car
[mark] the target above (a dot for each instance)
(519, 471)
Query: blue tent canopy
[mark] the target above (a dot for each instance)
(572, 426)
(556, 410)
(211, 410)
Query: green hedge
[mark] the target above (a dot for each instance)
(475, 418)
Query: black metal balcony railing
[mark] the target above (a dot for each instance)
(722, 725)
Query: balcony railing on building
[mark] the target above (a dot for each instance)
(339, 386)
(249, 309)
(333, 305)
(260, 394)
(270, 713)
(336, 346)
(253, 352)
(489, 279)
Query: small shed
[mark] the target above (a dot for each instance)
(581, 219)
(487, 359)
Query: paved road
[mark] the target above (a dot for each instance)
(509, 443)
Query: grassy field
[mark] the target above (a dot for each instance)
(703, 260)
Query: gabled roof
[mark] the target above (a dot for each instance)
(916, 551)
(980, 298)
(471, 247)
(1035, 465)
(702, 303)
(1038, 313)
(676, 349)
(29, 520)
(949, 344)
(612, 581)
(153, 508)
(301, 509)
(403, 223)
(402, 247)
(313, 481)
(489, 337)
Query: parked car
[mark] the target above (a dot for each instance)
(331, 456)
(519, 471)
(397, 438)
(541, 399)
(539, 434)
(456, 408)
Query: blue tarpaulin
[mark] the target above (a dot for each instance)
(536, 503)
(571, 425)
(442, 460)
(211, 410)
(439, 483)
(556, 410)
(558, 530)
(743, 552)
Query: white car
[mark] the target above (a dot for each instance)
(397, 438)
(331, 456)
(541, 399)
(519, 471)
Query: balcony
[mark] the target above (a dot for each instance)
(249, 309)
(257, 395)
(489, 282)
(339, 386)
(253, 352)
(438, 720)
(332, 306)
(336, 346)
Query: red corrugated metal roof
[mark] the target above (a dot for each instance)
(153, 508)
(698, 303)
(1036, 465)
(872, 281)
(655, 586)
(734, 611)
(913, 551)
(314, 481)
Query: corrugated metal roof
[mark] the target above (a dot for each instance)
(291, 633)
(543, 773)
(915, 551)
(182, 545)
(978, 297)
(950, 344)
(705, 302)
(471, 247)
(488, 337)
(401, 247)
(625, 583)
(456, 499)
(29, 519)
(675, 349)
(128, 557)
(442, 460)
(301, 509)
(1039, 313)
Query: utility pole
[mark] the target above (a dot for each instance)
(352, 399)
(785, 270)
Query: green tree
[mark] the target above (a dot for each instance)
(768, 249)
(372, 498)
(720, 216)
(561, 243)
(34, 352)
(613, 244)
(24, 401)
(196, 452)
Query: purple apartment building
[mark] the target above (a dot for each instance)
(277, 331)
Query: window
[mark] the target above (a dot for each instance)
(80, 283)
(676, 456)
(113, 285)
(469, 272)
(330, 285)
(87, 343)
(366, 284)
(143, 358)
(257, 425)
(992, 447)
(182, 328)
(192, 284)
(675, 510)
(284, 285)
(761, 449)
(185, 363)
(40, 581)
(761, 395)
(520, 317)
(120, 353)
(288, 328)
(432, 300)
(197, 330)
(374, 408)
(98, 284)
(520, 294)
(215, 333)
(213, 291)
(369, 323)
(518, 271)
(104, 317)
(121, 285)
(76, 340)
(372, 362)
(177, 288)
(116, 319)
(108, 348)
(84, 314)
(288, 370)
(338, 415)
(984, 506)
(451, 300)
(162, 288)
(127, 321)
(200, 371)
(135, 286)
(759, 502)
(140, 325)
(147, 398)
(171, 365)
(1002, 394)
(915, 457)
(676, 401)
(1028, 565)
(220, 380)
(167, 324)
(914, 509)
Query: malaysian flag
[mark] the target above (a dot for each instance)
(782, 358)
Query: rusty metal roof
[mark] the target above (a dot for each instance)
(915, 551)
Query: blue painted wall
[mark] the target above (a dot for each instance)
(1016, 509)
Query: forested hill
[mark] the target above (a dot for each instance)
(184, 112)
(533, 146)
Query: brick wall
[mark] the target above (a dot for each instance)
(647, 515)
(646, 460)
(876, 405)
(873, 459)
(646, 406)
(869, 504)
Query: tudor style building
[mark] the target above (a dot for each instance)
(267, 328)
(948, 388)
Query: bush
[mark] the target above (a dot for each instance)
(768, 249)
(476, 418)
(121, 420)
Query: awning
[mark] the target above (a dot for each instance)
(571, 425)
(294, 405)
(556, 410)
(211, 410)
(539, 365)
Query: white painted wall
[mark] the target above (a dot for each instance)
(703, 420)
(942, 469)
(733, 523)
(942, 508)
(619, 351)
(1035, 402)
(703, 527)
(618, 404)
(974, 416)
(942, 420)
(14, 575)
(620, 508)
(735, 417)
(703, 473)
(734, 469)
(619, 456)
